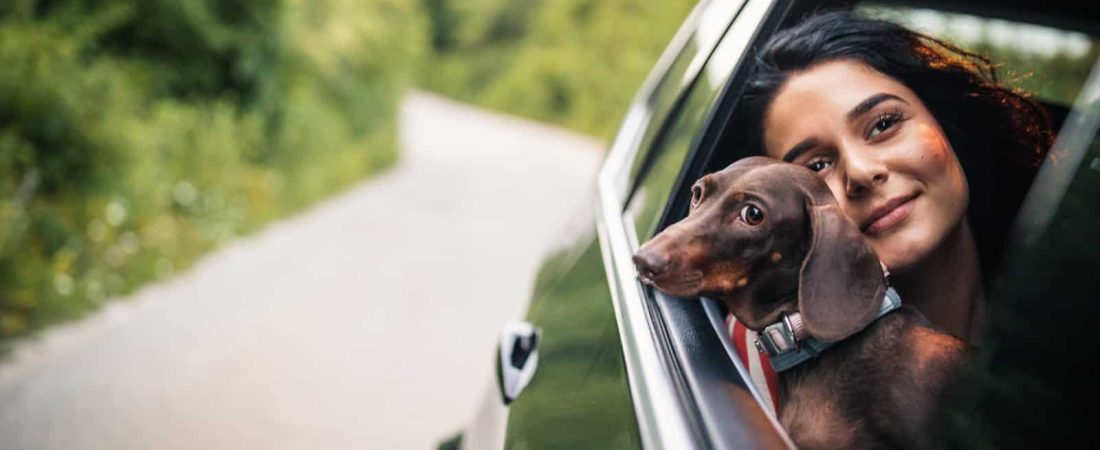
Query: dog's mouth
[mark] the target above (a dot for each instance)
(678, 284)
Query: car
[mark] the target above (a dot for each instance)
(602, 361)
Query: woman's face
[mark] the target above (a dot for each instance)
(879, 149)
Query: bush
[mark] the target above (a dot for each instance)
(137, 134)
(575, 63)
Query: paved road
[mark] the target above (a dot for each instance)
(367, 322)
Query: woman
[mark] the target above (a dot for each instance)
(920, 145)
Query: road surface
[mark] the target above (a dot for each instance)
(368, 321)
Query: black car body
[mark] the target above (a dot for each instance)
(614, 364)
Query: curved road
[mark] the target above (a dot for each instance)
(366, 322)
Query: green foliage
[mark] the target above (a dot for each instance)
(578, 63)
(575, 63)
(137, 134)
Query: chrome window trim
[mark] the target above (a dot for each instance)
(627, 140)
(662, 421)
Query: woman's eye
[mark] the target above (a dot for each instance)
(818, 165)
(883, 123)
(752, 215)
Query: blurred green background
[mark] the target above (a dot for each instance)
(136, 135)
(575, 63)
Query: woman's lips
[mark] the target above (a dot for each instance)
(889, 214)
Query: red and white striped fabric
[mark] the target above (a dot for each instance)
(763, 375)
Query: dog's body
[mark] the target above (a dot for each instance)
(876, 389)
(768, 239)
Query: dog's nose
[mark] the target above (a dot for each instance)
(650, 264)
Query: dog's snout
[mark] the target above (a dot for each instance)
(650, 264)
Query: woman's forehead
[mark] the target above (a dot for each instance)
(818, 100)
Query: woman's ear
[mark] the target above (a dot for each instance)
(841, 283)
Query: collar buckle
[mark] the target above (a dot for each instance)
(779, 337)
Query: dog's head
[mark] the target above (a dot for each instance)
(768, 238)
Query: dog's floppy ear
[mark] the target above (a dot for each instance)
(841, 283)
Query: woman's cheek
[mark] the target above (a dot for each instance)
(940, 168)
(936, 150)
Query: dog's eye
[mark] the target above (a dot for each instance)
(752, 215)
(696, 195)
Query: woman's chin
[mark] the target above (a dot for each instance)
(898, 253)
(916, 244)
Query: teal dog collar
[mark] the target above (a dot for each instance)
(787, 343)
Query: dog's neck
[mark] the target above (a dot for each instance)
(788, 344)
(758, 308)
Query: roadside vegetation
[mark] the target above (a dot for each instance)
(578, 63)
(575, 63)
(135, 135)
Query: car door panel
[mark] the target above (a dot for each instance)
(579, 396)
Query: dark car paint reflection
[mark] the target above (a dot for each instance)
(579, 397)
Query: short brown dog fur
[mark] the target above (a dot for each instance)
(767, 238)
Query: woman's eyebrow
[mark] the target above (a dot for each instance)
(870, 102)
(860, 109)
(800, 148)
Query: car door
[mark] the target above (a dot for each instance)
(700, 366)
(692, 396)
(622, 365)
(583, 393)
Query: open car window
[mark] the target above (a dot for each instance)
(1033, 385)
(717, 414)
(1055, 65)
(702, 136)
(664, 91)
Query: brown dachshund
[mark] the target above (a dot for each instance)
(768, 239)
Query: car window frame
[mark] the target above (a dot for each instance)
(649, 111)
(674, 316)
(723, 418)
(658, 398)
(707, 411)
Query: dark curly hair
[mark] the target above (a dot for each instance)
(999, 135)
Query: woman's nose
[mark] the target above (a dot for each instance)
(863, 172)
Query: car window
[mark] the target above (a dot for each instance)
(668, 152)
(652, 194)
(714, 394)
(705, 26)
(1040, 347)
(1056, 72)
